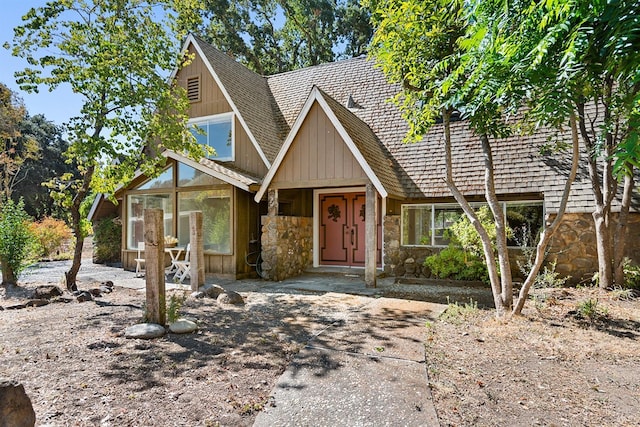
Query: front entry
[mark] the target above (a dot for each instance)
(342, 229)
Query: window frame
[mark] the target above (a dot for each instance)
(218, 118)
(432, 212)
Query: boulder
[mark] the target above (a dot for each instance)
(83, 296)
(95, 292)
(36, 302)
(230, 297)
(46, 292)
(183, 326)
(214, 291)
(15, 406)
(197, 294)
(145, 331)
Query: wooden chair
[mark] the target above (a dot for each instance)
(183, 269)
(140, 260)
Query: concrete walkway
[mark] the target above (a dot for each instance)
(367, 369)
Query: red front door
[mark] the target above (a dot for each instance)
(342, 232)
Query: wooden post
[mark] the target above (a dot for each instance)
(197, 250)
(154, 265)
(371, 236)
(272, 202)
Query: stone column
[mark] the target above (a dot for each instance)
(197, 250)
(272, 202)
(371, 236)
(154, 265)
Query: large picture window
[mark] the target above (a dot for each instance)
(178, 191)
(215, 206)
(217, 133)
(136, 204)
(428, 224)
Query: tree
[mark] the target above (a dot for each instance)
(17, 147)
(116, 54)
(38, 203)
(590, 51)
(464, 56)
(273, 36)
(15, 239)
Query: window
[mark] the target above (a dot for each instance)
(136, 204)
(189, 177)
(193, 88)
(427, 224)
(217, 133)
(164, 180)
(215, 206)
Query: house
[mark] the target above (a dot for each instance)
(311, 169)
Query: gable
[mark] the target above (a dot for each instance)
(212, 100)
(318, 155)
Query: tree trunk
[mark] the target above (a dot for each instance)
(494, 277)
(548, 231)
(76, 225)
(621, 229)
(499, 220)
(8, 275)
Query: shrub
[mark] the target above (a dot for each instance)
(107, 244)
(453, 263)
(50, 234)
(16, 241)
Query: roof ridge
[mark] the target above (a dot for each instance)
(315, 67)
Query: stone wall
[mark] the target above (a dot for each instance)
(573, 248)
(287, 246)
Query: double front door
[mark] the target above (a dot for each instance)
(342, 229)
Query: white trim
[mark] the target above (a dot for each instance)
(191, 39)
(315, 95)
(189, 162)
(218, 118)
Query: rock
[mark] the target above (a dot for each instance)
(105, 290)
(36, 302)
(197, 294)
(145, 331)
(84, 296)
(15, 307)
(107, 284)
(183, 326)
(95, 292)
(214, 291)
(230, 297)
(15, 406)
(47, 292)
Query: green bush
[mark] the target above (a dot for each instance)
(16, 241)
(453, 263)
(107, 243)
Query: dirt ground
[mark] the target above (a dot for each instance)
(549, 367)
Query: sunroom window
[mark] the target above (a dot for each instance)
(216, 132)
(136, 204)
(428, 224)
(215, 206)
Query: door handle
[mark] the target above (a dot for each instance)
(353, 231)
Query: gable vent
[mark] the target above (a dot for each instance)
(193, 88)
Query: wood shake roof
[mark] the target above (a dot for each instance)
(413, 171)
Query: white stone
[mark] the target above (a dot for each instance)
(145, 331)
(183, 326)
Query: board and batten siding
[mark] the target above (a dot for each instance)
(246, 155)
(318, 156)
(212, 100)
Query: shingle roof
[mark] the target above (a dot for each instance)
(250, 93)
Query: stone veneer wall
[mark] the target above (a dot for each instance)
(573, 248)
(287, 246)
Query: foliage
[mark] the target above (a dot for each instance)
(453, 263)
(15, 240)
(466, 235)
(116, 54)
(51, 163)
(174, 306)
(50, 234)
(17, 148)
(107, 240)
(550, 278)
(589, 309)
(631, 275)
(274, 36)
(457, 314)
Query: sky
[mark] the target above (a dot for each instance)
(57, 106)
